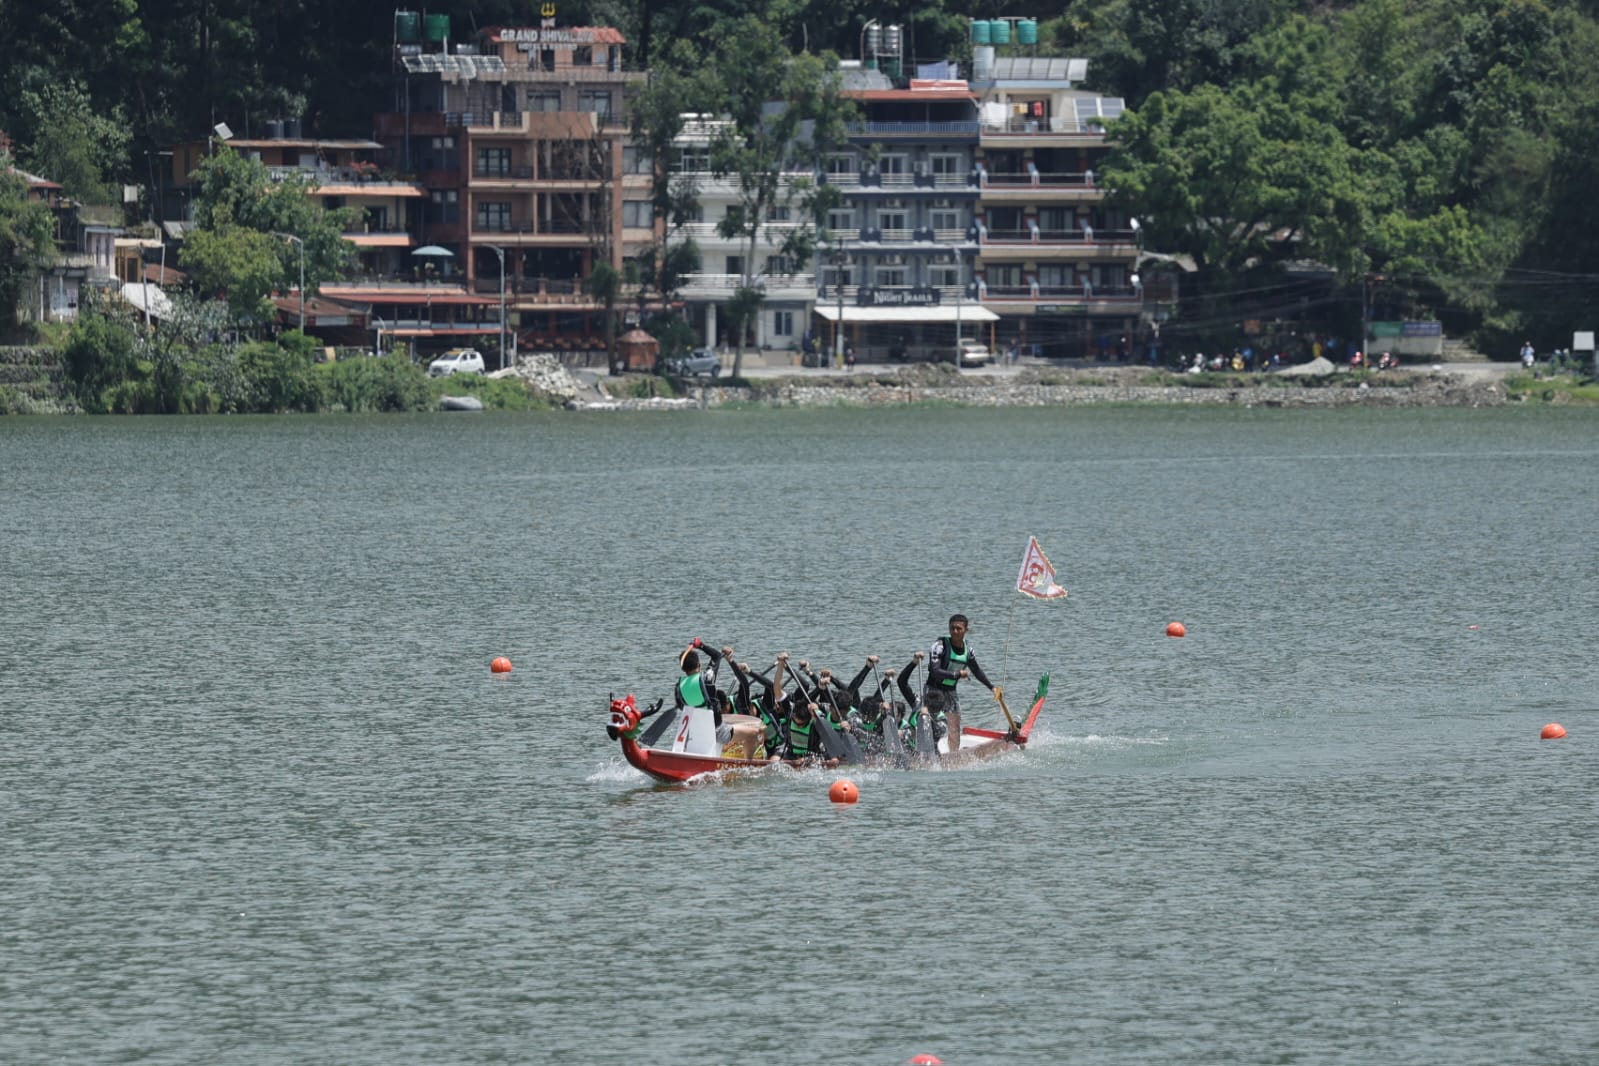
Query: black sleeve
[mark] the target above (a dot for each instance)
(855, 685)
(904, 682)
(977, 672)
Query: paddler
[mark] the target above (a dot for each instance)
(949, 661)
(697, 689)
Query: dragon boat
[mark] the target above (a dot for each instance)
(687, 747)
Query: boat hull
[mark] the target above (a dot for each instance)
(676, 767)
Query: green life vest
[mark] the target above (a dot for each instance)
(691, 690)
(799, 739)
(955, 661)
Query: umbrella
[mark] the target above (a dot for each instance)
(433, 249)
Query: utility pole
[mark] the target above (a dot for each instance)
(497, 250)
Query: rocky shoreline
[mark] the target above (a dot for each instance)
(1055, 387)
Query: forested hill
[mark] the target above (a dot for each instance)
(1442, 152)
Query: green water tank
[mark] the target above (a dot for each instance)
(1027, 31)
(980, 31)
(438, 27)
(999, 31)
(407, 27)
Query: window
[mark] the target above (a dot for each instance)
(778, 213)
(694, 159)
(544, 99)
(944, 275)
(546, 59)
(636, 214)
(947, 166)
(834, 275)
(783, 323)
(942, 214)
(1003, 275)
(779, 264)
(494, 216)
(841, 166)
(493, 162)
(634, 160)
(890, 276)
(583, 56)
(596, 100)
(1056, 275)
(444, 206)
(892, 165)
(840, 220)
(890, 219)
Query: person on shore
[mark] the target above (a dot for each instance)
(949, 661)
(1528, 356)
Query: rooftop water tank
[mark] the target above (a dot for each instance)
(274, 129)
(980, 31)
(438, 27)
(1027, 31)
(407, 26)
(982, 62)
(999, 31)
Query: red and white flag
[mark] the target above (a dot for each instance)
(1037, 578)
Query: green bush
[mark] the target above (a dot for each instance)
(390, 383)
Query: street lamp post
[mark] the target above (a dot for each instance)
(838, 327)
(500, 252)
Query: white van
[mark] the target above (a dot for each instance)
(456, 361)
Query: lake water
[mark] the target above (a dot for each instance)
(262, 801)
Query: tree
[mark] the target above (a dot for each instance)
(27, 242)
(74, 144)
(237, 247)
(785, 112)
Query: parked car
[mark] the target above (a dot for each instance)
(972, 353)
(456, 361)
(699, 363)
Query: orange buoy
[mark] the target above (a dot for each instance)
(925, 1060)
(843, 791)
(500, 665)
(1553, 731)
(1176, 629)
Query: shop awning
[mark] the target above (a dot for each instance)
(938, 313)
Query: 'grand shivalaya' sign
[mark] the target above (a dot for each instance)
(914, 296)
(550, 37)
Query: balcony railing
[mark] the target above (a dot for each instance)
(1054, 124)
(1108, 239)
(966, 128)
(1038, 180)
(1059, 293)
(552, 226)
(728, 283)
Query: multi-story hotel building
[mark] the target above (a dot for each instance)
(519, 140)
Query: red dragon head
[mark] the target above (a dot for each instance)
(624, 717)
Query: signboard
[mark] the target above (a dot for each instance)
(914, 296)
(1582, 341)
(1251, 327)
(1061, 309)
(1422, 329)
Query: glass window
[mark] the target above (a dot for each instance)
(636, 214)
(783, 323)
(947, 166)
(841, 165)
(493, 162)
(494, 216)
(583, 56)
(544, 99)
(596, 100)
(841, 220)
